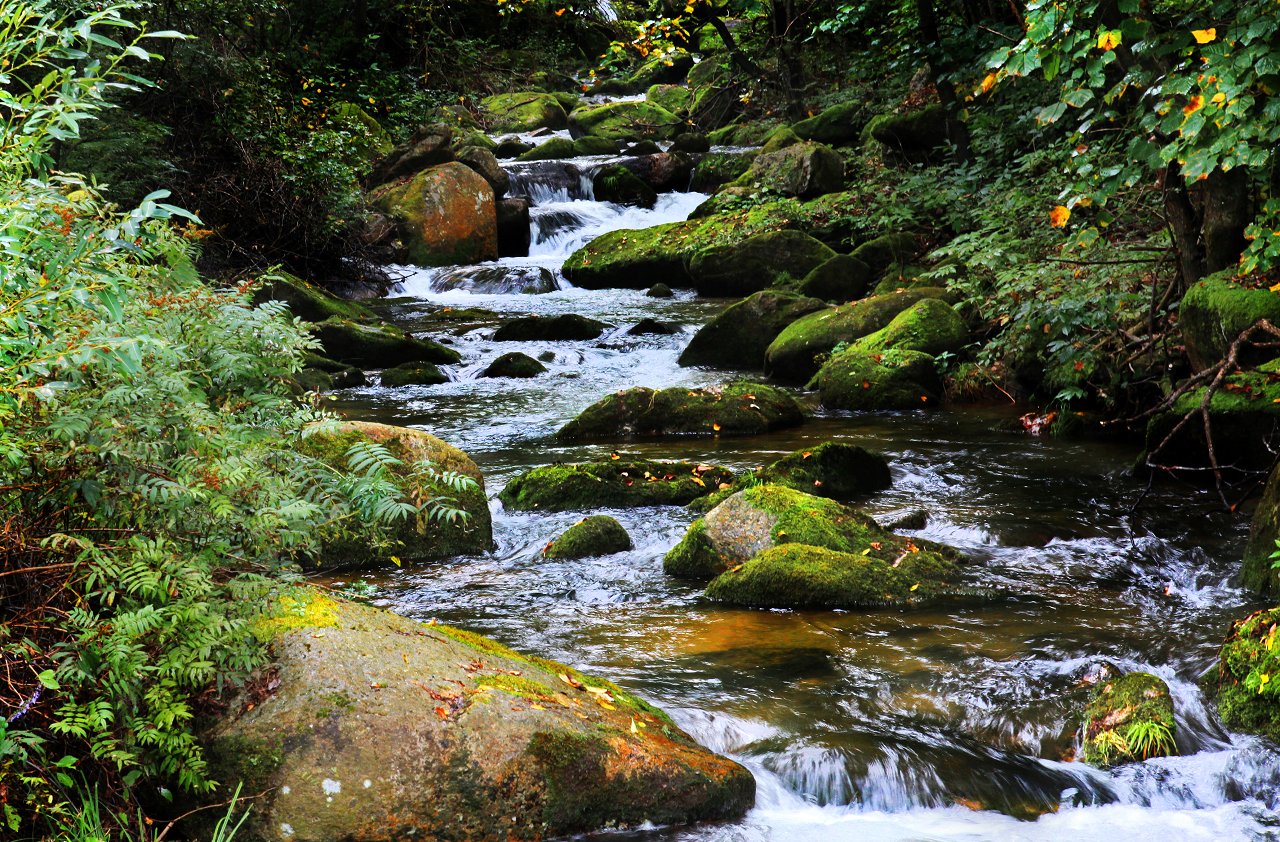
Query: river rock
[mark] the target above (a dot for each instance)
(510, 147)
(337, 375)
(569, 326)
(514, 231)
(524, 112)
(1257, 573)
(496, 280)
(737, 408)
(659, 291)
(554, 149)
(596, 535)
(416, 538)
(309, 302)
(751, 133)
(797, 353)
(839, 125)
(1130, 719)
(930, 326)
(842, 278)
(718, 168)
(625, 120)
(377, 727)
(674, 98)
(1216, 310)
(446, 215)
(858, 380)
(413, 374)
(377, 346)
(617, 484)
(663, 171)
(484, 163)
(736, 338)
(652, 327)
(779, 139)
(619, 185)
(913, 134)
(661, 69)
(514, 364)
(756, 263)
(694, 143)
(837, 470)
(803, 170)
(642, 147)
(1245, 701)
(887, 251)
(429, 146)
(589, 145)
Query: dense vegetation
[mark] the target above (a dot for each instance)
(1099, 159)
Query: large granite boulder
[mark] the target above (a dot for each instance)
(756, 263)
(737, 408)
(446, 216)
(738, 336)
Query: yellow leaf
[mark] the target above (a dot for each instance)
(916, 585)
(1219, 98)
(1109, 40)
(559, 12)
(988, 82)
(1204, 36)
(1058, 216)
(715, 427)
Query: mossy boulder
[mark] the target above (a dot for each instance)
(596, 535)
(565, 327)
(837, 470)
(486, 165)
(803, 170)
(416, 538)
(414, 374)
(736, 338)
(446, 216)
(1258, 573)
(510, 147)
(514, 364)
(717, 168)
(930, 326)
(309, 302)
(914, 133)
(1215, 311)
(798, 352)
(663, 69)
(1130, 719)
(366, 136)
(524, 112)
(756, 263)
(552, 149)
(619, 185)
(625, 120)
(887, 251)
(842, 278)
(373, 727)
(377, 346)
(431, 144)
(779, 139)
(1248, 666)
(320, 374)
(737, 408)
(674, 98)
(857, 380)
(695, 143)
(839, 125)
(594, 146)
(743, 134)
(659, 291)
(617, 484)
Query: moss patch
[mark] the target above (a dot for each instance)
(613, 484)
(738, 336)
(1246, 701)
(414, 374)
(756, 263)
(737, 408)
(377, 345)
(523, 112)
(1214, 312)
(626, 120)
(929, 326)
(593, 536)
(893, 380)
(1129, 719)
(565, 327)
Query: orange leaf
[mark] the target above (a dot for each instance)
(1058, 216)
(1204, 36)
(1196, 103)
(715, 427)
(988, 82)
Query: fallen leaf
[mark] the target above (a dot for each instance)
(572, 682)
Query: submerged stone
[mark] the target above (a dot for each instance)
(613, 484)
(596, 535)
(414, 374)
(514, 364)
(737, 408)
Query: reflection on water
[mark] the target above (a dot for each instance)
(884, 725)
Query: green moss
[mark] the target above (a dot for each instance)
(737, 337)
(1258, 573)
(929, 326)
(551, 149)
(594, 146)
(1214, 312)
(832, 469)
(625, 121)
(842, 278)
(756, 263)
(798, 351)
(613, 484)
(299, 608)
(737, 408)
(838, 125)
(803, 170)
(779, 139)
(804, 576)
(619, 185)
(593, 536)
(717, 168)
(514, 364)
(377, 345)
(674, 98)
(743, 134)
(1129, 719)
(523, 112)
(1245, 701)
(517, 685)
(887, 251)
(894, 380)
(365, 134)
(914, 133)
(414, 374)
(311, 303)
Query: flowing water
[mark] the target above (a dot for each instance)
(936, 724)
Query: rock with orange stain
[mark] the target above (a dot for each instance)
(446, 215)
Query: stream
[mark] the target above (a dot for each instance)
(933, 724)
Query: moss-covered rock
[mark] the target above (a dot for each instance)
(661, 69)
(365, 134)
(737, 408)
(565, 327)
(378, 727)
(1129, 719)
(309, 302)
(320, 374)
(887, 251)
(430, 144)
(736, 338)
(804, 576)
(914, 133)
(616, 484)
(779, 139)
(659, 291)
(625, 120)
(510, 147)
(524, 112)
(842, 278)
(631, 258)
(803, 170)
(377, 346)
(596, 535)
(832, 469)
(619, 185)
(552, 149)
(446, 216)
(1258, 573)
(1244, 688)
(930, 326)
(839, 125)
(756, 263)
(486, 165)
(594, 146)
(719, 168)
(694, 143)
(420, 538)
(514, 364)
(414, 374)
(743, 134)
(893, 380)
(1215, 311)
(903, 276)
(674, 98)
(797, 353)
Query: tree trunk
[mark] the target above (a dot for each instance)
(957, 131)
(1227, 212)
(1184, 225)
